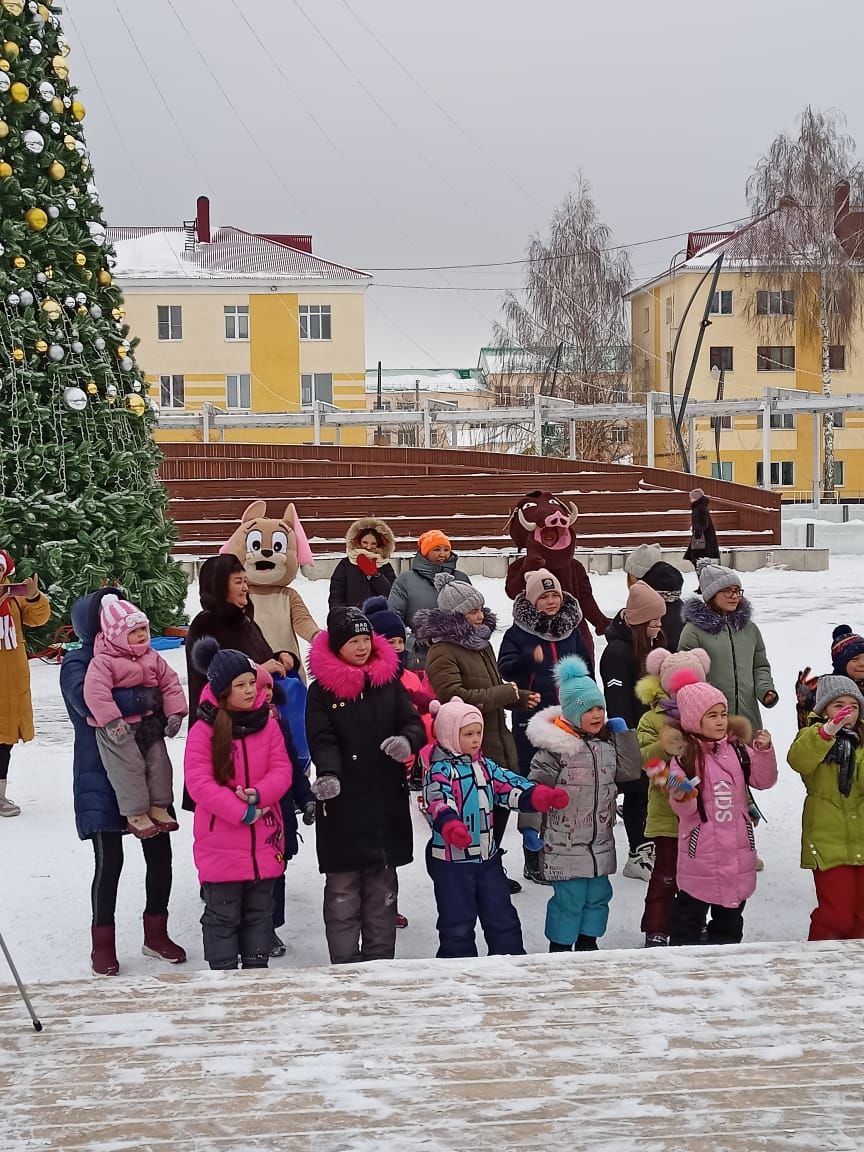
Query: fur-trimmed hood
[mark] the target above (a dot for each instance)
(543, 732)
(369, 524)
(703, 616)
(346, 681)
(558, 627)
(435, 626)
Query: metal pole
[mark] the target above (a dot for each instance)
(379, 404)
(649, 428)
(538, 425)
(718, 422)
(316, 423)
(37, 1023)
(572, 439)
(766, 445)
(205, 421)
(691, 424)
(427, 424)
(817, 460)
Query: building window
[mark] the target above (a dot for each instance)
(720, 357)
(724, 472)
(778, 421)
(620, 435)
(721, 304)
(723, 422)
(646, 320)
(315, 322)
(668, 309)
(837, 357)
(407, 437)
(775, 303)
(316, 386)
(618, 396)
(237, 322)
(839, 472)
(778, 359)
(172, 391)
(169, 321)
(782, 473)
(238, 391)
(839, 419)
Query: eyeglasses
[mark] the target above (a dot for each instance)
(736, 592)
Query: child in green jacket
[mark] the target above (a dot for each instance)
(828, 755)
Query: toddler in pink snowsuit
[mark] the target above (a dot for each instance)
(132, 750)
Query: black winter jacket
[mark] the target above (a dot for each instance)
(349, 586)
(619, 671)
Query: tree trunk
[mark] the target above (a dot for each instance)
(827, 417)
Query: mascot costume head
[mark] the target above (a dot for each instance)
(272, 551)
(542, 525)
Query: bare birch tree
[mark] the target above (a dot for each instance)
(570, 318)
(797, 193)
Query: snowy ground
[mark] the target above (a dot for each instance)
(46, 870)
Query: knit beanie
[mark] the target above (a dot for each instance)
(845, 646)
(664, 664)
(221, 666)
(577, 692)
(829, 688)
(539, 582)
(665, 579)
(385, 622)
(696, 494)
(457, 596)
(642, 559)
(343, 624)
(450, 718)
(432, 539)
(118, 617)
(263, 678)
(713, 578)
(643, 605)
(694, 698)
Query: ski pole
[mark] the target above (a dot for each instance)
(37, 1023)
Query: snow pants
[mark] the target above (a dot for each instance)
(108, 865)
(839, 912)
(360, 915)
(662, 887)
(726, 925)
(237, 921)
(467, 891)
(578, 907)
(141, 780)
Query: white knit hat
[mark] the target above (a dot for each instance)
(119, 617)
(642, 560)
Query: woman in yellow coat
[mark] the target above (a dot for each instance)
(29, 609)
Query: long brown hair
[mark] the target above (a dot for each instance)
(222, 745)
(642, 643)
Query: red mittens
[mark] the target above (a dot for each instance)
(456, 835)
(543, 798)
(366, 565)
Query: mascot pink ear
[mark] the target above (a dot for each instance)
(225, 549)
(304, 552)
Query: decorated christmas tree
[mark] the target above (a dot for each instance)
(81, 501)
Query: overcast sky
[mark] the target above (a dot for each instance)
(451, 139)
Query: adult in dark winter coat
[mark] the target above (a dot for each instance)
(629, 639)
(361, 728)
(669, 582)
(703, 537)
(847, 658)
(97, 817)
(365, 571)
(461, 662)
(415, 591)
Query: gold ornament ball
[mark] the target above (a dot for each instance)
(92, 387)
(52, 309)
(88, 275)
(85, 165)
(121, 352)
(105, 278)
(49, 273)
(18, 354)
(13, 7)
(11, 49)
(4, 65)
(41, 346)
(36, 219)
(69, 142)
(57, 106)
(136, 404)
(82, 310)
(118, 313)
(4, 129)
(61, 68)
(45, 12)
(78, 110)
(19, 92)
(56, 171)
(19, 262)
(5, 170)
(80, 259)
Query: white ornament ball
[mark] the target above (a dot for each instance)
(46, 92)
(127, 365)
(55, 128)
(154, 407)
(13, 299)
(136, 385)
(97, 231)
(69, 301)
(56, 353)
(99, 344)
(53, 211)
(44, 118)
(33, 141)
(5, 82)
(80, 298)
(77, 347)
(26, 298)
(71, 203)
(67, 101)
(111, 390)
(125, 344)
(41, 278)
(92, 191)
(2, 249)
(75, 398)
(95, 311)
(35, 46)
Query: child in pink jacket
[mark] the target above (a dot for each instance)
(713, 764)
(237, 771)
(132, 750)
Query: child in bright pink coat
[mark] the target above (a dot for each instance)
(237, 771)
(132, 749)
(715, 760)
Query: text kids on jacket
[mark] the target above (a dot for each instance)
(828, 755)
(713, 765)
(132, 748)
(361, 728)
(462, 788)
(237, 771)
(586, 757)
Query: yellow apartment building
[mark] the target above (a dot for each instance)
(248, 323)
(760, 339)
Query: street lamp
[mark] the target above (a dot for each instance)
(718, 375)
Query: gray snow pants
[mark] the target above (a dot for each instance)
(360, 915)
(237, 921)
(140, 780)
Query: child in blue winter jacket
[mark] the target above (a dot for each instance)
(461, 789)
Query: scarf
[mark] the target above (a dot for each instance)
(842, 753)
(8, 634)
(242, 723)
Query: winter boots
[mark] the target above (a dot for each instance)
(158, 943)
(103, 958)
(532, 868)
(142, 826)
(161, 817)
(640, 864)
(583, 944)
(7, 808)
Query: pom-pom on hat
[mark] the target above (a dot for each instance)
(432, 539)
(829, 688)
(450, 718)
(713, 578)
(343, 624)
(642, 560)
(118, 617)
(221, 666)
(577, 692)
(694, 698)
(539, 582)
(457, 595)
(263, 678)
(385, 622)
(643, 605)
(845, 646)
(664, 664)
(696, 494)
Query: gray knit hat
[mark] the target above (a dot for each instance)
(642, 560)
(457, 595)
(713, 578)
(830, 687)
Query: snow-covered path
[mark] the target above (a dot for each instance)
(46, 870)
